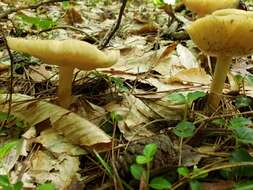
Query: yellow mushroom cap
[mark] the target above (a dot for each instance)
(226, 32)
(69, 53)
(203, 7)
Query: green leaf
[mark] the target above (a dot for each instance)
(150, 150)
(239, 121)
(241, 155)
(192, 96)
(249, 79)
(6, 148)
(104, 163)
(136, 171)
(195, 185)
(46, 186)
(218, 122)
(242, 101)
(184, 129)
(158, 2)
(160, 183)
(119, 83)
(176, 98)
(183, 171)
(197, 171)
(65, 5)
(18, 186)
(115, 117)
(3, 116)
(244, 135)
(4, 181)
(140, 159)
(244, 186)
(20, 124)
(40, 23)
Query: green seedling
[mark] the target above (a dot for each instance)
(242, 102)
(39, 23)
(141, 170)
(240, 127)
(6, 184)
(178, 98)
(183, 130)
(194, 183)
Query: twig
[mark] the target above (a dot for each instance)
(11, 77)
(33, 6)
(115, 27)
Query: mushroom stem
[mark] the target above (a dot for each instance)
(65, 86)
(220, 74)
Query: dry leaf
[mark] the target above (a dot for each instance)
(72, 16)
(186, 57)
(76, 129)
(194, 75)
(61, 170)
(56, 143)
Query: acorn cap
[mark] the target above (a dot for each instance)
(226, 32)
(69, 53)
(203, 7)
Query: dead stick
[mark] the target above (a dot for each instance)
(115, 27)
(11, 77)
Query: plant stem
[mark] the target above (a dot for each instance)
(220, 74)
(65, 86)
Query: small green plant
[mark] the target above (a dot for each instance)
(7, 147)
(183, 130)
(194, 183)
(6, 184)
(39, 23)
(45, 186)
(178, 98)
(141, 170)
(242, 132)
(119, 84)
(242, 102)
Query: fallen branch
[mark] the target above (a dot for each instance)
(115, 27)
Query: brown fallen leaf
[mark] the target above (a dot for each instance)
(72, 16)
(76, 129)
(146, 28)
(168, 50)
(219, 185)
(62, 170)
(4, 67)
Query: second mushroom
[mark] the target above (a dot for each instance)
(224, 34)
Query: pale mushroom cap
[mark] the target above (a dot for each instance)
(72, 53)
(203, 7)
(225, 32)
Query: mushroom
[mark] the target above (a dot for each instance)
(67, 54)
(204, 7)
(224, 34)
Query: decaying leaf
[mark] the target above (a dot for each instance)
(62, 171)
(72, 16)
(138, 113)
(187, 59)
(76, 129)
(56, 143)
